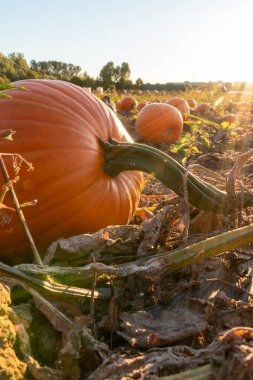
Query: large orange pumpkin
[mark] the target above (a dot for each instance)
(57, 127)
(159, 123)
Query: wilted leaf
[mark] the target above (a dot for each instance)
(113, 239)
(152, 230)
(206, 222)
(144, 213)
(144, 329)
(81, 350)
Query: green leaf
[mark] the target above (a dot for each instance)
(206, 140)
(231, 126)
(5, 96)
(195, 149)
(175, 149)
(194, 127)
(183, 139)
(182, 146)
(5, 86)
(225, 124)
(8, 86)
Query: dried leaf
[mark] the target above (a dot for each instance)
(144, 213)
(152, 230)
(236, 363)
(151, 364)
(81, 350)
(114, 239)
(142, 329)
(206, 222)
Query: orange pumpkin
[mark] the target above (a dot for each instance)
(127, 103)
(57, 127)
(159, 123)
(180, 104)
(191, 102)
(117, 105)
(202, 108)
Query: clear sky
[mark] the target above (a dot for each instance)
(162, 40)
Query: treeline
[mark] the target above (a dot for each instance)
(15, 67)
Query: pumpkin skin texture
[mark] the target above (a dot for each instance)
(56, 127)
(127, 103)
(159, 123)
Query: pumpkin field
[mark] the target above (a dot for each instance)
(126, 233)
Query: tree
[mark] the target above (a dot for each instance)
(125, 71)
(107, 74)
(83, 80)
(139, 83)
(14, 67)
(18, 60)
(124, 74)
(56, 69)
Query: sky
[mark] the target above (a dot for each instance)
(161, 40)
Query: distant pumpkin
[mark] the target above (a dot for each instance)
(191, 102)
(159, 123)
(117, 105)
(229, 118)
(180, 104)
(127, 103)
(141, 105)
(202, 108)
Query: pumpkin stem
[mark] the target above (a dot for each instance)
(120, 156)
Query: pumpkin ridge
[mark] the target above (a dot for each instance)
(79, 117)
(90, 98)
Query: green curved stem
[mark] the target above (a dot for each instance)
(128, 156)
